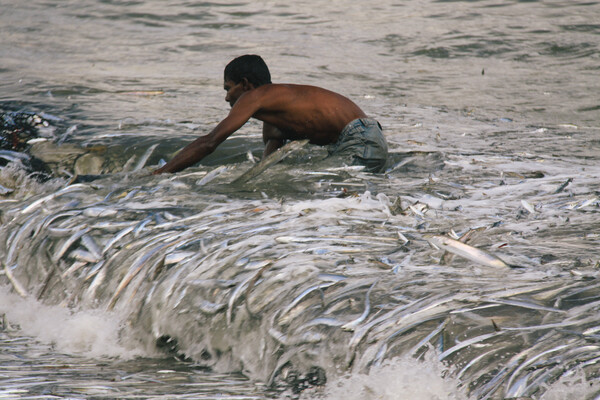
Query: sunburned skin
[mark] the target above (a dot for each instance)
(289, 112)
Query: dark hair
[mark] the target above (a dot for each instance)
(249, 66)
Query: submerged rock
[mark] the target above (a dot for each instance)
(89, 164)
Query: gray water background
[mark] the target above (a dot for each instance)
(484, 104)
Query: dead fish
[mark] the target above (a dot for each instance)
(234, 296)
(69, 242)
(135, 268)
(524, 304)
(210, 308)
(467, 343)
(586, 203)
(85, 256)
(142, 162)
(71, 188)
(447, 256)
(526, 364)
(91, 245)
(351, 326)
(527, 206)
(19, 288)
(25, 230)
(271, 159)
(469, 252)
(212, 175)
(74, 267)
(117, 238)
(563, 186)
(299, 298)
(4, 190)
(178, 256)
(98, 212)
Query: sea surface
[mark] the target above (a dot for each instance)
(469, 269)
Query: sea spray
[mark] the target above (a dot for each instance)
(401, 378)
(93, 333)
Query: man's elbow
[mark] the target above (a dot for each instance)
(210, 146)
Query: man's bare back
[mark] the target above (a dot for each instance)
(302, 112)
(289, 112)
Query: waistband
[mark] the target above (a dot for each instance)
(357, 125)
(366, 122)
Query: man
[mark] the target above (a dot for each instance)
(289, 112)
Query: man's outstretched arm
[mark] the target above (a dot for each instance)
(204, 145)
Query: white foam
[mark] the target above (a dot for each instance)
(401, 378)
(92, 333)
(408, 378)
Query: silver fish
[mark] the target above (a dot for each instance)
(524, 304)
(210, 308)
(49, 220)
(71, 188)
(21, 233)
(91, 245)
(473, 362)
(271, 159)
(69, 242)
(4, 190)
(178, 256)
(14, 156)
(212, 175)
(351, 326)
(98, 212)
(527, 206)
(74, 267)
(82, 255)
(96, 282)
(524, 365)
(16, 284)
(469, 252)
(431, 334)
(95, 269)
(299, 298)
(135, 268)
(117, 238)
(467, 343)
(235, 294)
(142, 162)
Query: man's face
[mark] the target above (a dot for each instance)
(234, 91)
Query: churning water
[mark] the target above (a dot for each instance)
(312, 279)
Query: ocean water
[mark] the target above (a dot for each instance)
(313, 280)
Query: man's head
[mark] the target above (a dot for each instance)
(242, 74)
(251, 67)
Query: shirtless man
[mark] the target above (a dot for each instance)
(289, 112)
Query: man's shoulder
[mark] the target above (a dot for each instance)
(289, 89)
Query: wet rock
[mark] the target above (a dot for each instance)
(89, 164)
(51, 153)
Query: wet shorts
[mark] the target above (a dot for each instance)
(362, 141)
